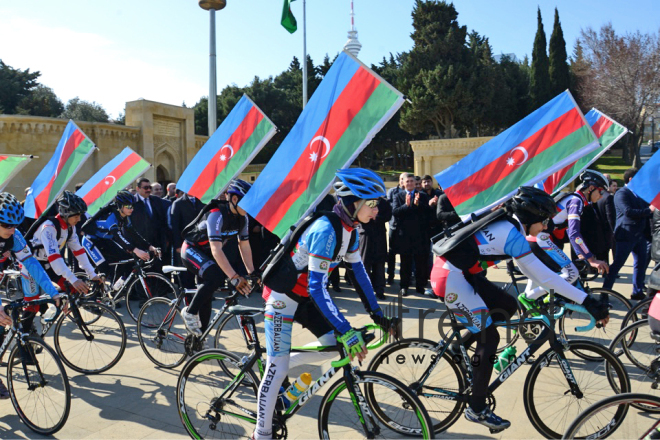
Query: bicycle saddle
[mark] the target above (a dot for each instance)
(169, 269)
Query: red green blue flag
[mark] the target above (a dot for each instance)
(544, 142)
(646, 183)
(71, 153)
(243, 133)
(608, 132)
(10, 166)
(116, 175)
(288, 20)
(347, 109)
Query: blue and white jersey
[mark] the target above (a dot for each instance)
(30, 266)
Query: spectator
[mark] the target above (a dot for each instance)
(418, 183)
(595, 231)
(172, 193)
(157, 189)
(445, 212)
(183, 212)
(434, 226)
(410, 209)
(607, 215)
(373, 246)
(391, 254)
(632, 234)
(150, 215)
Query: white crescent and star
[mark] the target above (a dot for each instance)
(510, 161)
(326, 143)
(108, 182)
(231, 152)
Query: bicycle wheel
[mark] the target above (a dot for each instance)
(549, 403)
(94, 345)
(204, 413)
(39, 388)
(152, 285)
(602, 335)
(162, 333)
(408, 360)
(600, 417)
(229, 335)
(396, 409)
(639, 311)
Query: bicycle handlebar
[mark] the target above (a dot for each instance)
(580, 309)
(14, 306)
(367, 337)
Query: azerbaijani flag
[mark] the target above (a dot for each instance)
(547, 140)
(349, 107)
(608, 132)
(71, 153)
(117, 174)
(646, 183)
(242, 134)
(10, 165)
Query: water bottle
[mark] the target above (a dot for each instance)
(296, 389)
(118, 284)
(506, 357)
(50, 313)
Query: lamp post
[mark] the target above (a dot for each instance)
(212, 6)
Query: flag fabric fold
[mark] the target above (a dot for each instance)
(71, 153)
(544, 142)
(608, 132)
(116, 175)
(288, 20)
(348, 108)
(10, 166)
(646, 183)
(243, 133)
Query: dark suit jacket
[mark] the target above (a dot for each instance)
(607, 212)
(182, 213)
(391, 193)
(411, 234)
(632, 216)
(373, 237)
(153, 228)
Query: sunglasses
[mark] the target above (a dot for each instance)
(6, 226)
(372, 203)
(127, 206)
(145, 188)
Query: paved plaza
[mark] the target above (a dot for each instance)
(137, 400)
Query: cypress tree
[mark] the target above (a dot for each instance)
(539, 87)
(559, 72)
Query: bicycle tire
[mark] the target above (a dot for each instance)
(55, 388)
(92, 291)
(162, 333)
(229, 336)
(94, 356)
(605, 428)
(602, 335)
(448, 376)
(639, 311)
(610, 370)
(200, 384)
(158, 287)
(383, 398)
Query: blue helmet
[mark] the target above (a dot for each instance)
(360, 183)
(239, 187)
(124, 197)
(11, 211)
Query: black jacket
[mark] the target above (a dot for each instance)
(183, 211)
(373, 236)
(632, 216)
(445, 212)
(411, 234)
(607, 213)
(153, 228)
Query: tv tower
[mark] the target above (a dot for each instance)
(353, 46)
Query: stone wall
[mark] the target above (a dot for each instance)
(433, 156)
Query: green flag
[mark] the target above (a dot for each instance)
(288, 20)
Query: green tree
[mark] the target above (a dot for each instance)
(80, 110)
(559, 72)
(581, 76)
(435, 72)
(516, 77)
(40, 101)
(539, 87)
(15, 84)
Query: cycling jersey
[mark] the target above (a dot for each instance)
(571, 211)
(118, 229)
(218, 224)
(48, 249)
(553, 257)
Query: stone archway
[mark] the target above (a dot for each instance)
(162, 175)
(166, 165)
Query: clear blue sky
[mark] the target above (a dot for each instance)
(122, 50)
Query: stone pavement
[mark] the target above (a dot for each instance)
(136, 400)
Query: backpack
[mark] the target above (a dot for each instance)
(279, 271)
(29, 235)
(89, 227)
(199, 237)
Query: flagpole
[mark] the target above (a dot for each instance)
(304, 100)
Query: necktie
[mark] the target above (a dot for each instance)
(149, 211)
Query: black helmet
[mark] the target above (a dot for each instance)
(124, 197)
(69, 204)
(591, 177)
(239, 187)
(532, 205)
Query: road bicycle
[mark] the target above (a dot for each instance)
(559, 383)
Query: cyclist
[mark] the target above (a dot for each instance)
(50, 237)
(309, 302)
(592, 184)
(112, 237)
(13, 244)
(471, 297)
(202, 254)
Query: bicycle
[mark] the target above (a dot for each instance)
(36, 379)
(164, 337)
(443, 380)
(598, 418)
(213, 403)
(139, 287)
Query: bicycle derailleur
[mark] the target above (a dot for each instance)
(193, 345)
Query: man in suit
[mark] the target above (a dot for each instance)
(410, 208)
(150, 216)
(391, 255)
(183, 211)
(607, 215)
(373, 246)
(632, 234)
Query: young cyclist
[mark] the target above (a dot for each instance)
(471, 297)
(309, 301)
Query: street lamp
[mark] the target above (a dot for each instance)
(212, 6)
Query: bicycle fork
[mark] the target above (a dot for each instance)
(574, 388)
(360, 403)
